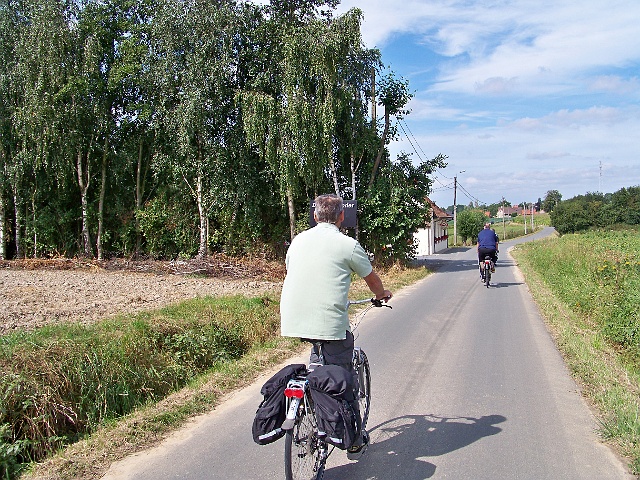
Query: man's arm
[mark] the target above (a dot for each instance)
(375, 285)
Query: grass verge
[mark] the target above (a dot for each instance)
(121, 433)
(591, 309)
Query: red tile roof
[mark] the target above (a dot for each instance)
(437, 211)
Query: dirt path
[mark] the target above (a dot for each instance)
(30, 298)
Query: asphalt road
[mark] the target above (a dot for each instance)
(466, 384)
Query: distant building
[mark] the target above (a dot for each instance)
(434, 237)
(508, 211)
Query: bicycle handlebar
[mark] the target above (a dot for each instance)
(374, 301)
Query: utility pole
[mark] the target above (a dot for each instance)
(455, 212)
(504, 227)
(524, 217)
(532, 211)
(600, 179)
(455, 209)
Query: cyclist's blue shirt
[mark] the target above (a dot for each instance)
(487, 238)
(320, 262)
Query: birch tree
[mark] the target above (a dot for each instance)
(293, 119)
(9, 34)
(196, 62)
(394, 96)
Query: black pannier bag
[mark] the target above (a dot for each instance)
(271, 412)
(332, 391)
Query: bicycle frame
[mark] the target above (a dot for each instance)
(295, 392)
(487, 265)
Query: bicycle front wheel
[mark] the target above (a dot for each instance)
(364, 381)
(302, 454)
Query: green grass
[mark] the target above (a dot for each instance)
(512, 227)
(588, 287)
(60, 383)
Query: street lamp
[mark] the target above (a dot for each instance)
(455, 209)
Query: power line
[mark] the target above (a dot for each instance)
(412, 145)
(402, 121)
(471, 197)
(444, 187)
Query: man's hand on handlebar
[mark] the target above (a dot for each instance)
(385, 296)
(377, 302)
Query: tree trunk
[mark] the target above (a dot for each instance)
(334, 175)
(139, 193)
(103, 187)
(3, 243)
(82, 168)
(354, 170)
(17, 202)
(380, 151)
(292, 212)
(202, 250)
(35, 229)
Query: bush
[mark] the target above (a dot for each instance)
(61, 382)
(595, 210)
(470, 222)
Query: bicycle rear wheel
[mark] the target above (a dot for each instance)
(487, 275)
(364, 380)
(302, 454)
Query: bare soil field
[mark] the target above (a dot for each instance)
(36, 292)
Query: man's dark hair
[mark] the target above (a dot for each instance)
(328, 208)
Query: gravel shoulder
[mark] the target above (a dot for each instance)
(35, 294)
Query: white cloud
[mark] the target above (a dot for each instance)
(542, 44)
(529, 95)
(616, 84)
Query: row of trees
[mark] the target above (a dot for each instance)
(178, 127)
(597, 210)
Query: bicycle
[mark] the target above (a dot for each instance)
(305, 452)
(485, 270)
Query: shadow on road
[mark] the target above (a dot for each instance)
(504, 284)
(436, 263)
(408, 440)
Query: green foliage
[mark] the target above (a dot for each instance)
(60, 383)
(396, 209)
(596, 210)
(597, 273)
(238, 110)
(169, 227)
(551, 199)
(469, 224)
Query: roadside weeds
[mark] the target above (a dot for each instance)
(610, 389)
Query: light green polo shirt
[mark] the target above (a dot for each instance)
(314, 294)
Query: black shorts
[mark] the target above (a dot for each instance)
(336, 352)
(482, 251)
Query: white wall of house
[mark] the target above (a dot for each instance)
(432, 239)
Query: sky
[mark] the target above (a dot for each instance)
(522, 96)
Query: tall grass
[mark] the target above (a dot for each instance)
(593, 280)
(59, 383)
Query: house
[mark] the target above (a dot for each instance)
(434, 237)
(508, 211)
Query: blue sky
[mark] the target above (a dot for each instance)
(522, 96)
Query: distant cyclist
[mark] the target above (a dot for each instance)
(487, 245)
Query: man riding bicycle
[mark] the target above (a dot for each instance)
(487, 245)
(313, 304)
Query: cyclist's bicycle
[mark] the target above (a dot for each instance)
(305, 452)
(485, 270)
